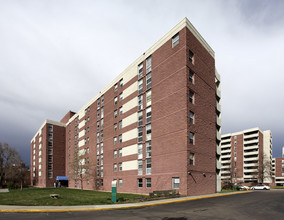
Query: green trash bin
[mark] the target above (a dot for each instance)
(113, 191)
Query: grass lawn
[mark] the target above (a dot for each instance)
(41, 197)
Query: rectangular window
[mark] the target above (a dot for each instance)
(140, 70)
(102, 100)
(102, 112)
(102, 148)
(120, 124)
(114, 140)
(148, 64)
(140, 86)
(140, 118)
(140, 167)
(120, 182)
(102, 171)
(175, 181)
(98, 137)
(120, 166)
(98, 104)
(140, 134)
(191, 117)
(175, 40)
(98, 115)
(115, 127)
(115, 100)
(115, 87)
(191, 57)
(115, 154)
(140, 182)
(102, 124)
(98, 182)
(191, 138)
(191, 159)
(120, 110)
(120, 152)
(115, 113)
(140, 151)
(148, 149)
(120, 96)
(191, 76)
(148, 132)
(148, 166)
(148, 98)
(191, 97)
(140, 102)
(102, 159)
(148, 80)
(148, 114)
(102, 135)
(98, 149)
(114, 167)
(148, 182)
(121, 82)
(120, 138)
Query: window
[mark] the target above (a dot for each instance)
(98, 104)
(191, 57)
(175, 40)
(115, 100)
(191, 76)
(98, 137)
(114, 140)
(148, 115)
(115, 113)
(102, 182)
(98, 149)
(140, 134)
(148, 166)
(120, 152)
(148, 149)
(115, 127)
(121, 82)
(148, 132)
(191, 159)
(98, 115)
(140, 118)
(102, 100)
(148, 81)
(114, 167)
(102, 124)
(102, 159)
(140, 182)
(191, 97)
(140, 167)
(120, 124)
(140, 70)
(115, 154)
(120, 167)
(102, 112)
(148, 182)
(140, 86)
(148, 64)
(140, 102)
(191, 117)
(115, 87)
(120, 110)
(120, 138)
(102, 171)
(191, 138)
(148, 97)
(98, 126)
(120, 96)
(140, 151)
(98, 182)
(120, 182)
(175, 181)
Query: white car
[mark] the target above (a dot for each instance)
(243, 187)
(260, 187)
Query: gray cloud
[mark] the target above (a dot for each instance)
(56, 55)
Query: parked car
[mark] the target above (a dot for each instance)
(260, 187)
(242, 187)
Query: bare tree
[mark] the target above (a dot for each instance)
(8, 157)
(16, 173)
(264, 169)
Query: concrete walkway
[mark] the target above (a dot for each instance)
(6, 208)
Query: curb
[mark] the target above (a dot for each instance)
(120, 207)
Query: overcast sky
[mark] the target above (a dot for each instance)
(55, 56)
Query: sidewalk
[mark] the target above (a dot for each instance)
(6, 208)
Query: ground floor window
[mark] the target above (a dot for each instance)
(140, 182)
(175, 182)
(148, 183)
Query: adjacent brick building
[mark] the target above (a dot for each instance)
(157, 126)
(246, 157)
(278, 169)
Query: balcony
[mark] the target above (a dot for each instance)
(251, 147)
(226, 167)
(218, 121)
(228, 156)
(218, 92)
(250, 164)
(225, 145)
(226, 151)
(218, 150)
(251, 141)
(218, 107)
(251, 153)
(250, 135)
(218, 135)
(251, 170)
(225, 172)
(250, 158)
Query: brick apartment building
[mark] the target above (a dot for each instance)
(278, 169)
(157, 126)
(246, 157)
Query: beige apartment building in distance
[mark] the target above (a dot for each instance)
(246, 157)
(156, 126)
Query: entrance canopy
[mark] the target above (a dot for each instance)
(62, 178)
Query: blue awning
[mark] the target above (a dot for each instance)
(62, 178)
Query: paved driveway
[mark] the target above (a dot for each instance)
(257, 205)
